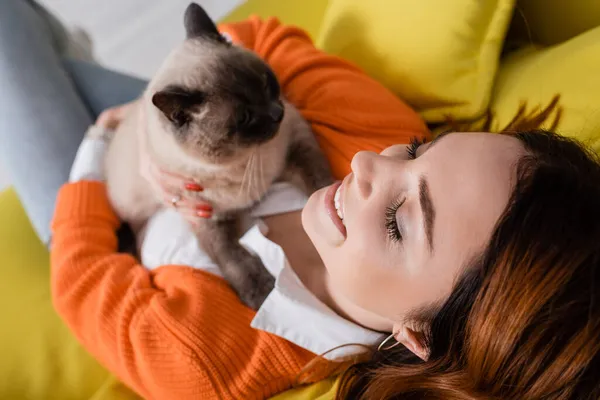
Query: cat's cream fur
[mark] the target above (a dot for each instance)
(235, 169)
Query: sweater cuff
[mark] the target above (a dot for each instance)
(84, 199)
(89, 160)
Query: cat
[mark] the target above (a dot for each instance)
(214, 112)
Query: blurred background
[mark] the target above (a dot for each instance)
(131, 36)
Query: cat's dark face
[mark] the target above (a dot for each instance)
(217, 99)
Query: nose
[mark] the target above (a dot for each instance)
(276, 111)
(363, 167)
(368, 169)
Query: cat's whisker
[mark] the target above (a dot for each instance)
(252, 188)
(251, 173)
(263, 188)
(241, 191)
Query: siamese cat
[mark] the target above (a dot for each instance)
(214, 113)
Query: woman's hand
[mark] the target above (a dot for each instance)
(112, 117)
(90, 157)
(178, 191)
(175, 190)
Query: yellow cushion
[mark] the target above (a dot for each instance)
(571, 69)
(307, 14)
(550, 22)
(40, 359)
(440, 56)
(324, 390)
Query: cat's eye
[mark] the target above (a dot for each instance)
(179, 118)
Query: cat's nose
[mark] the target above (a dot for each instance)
(276, 111)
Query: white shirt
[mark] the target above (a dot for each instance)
(290, 311)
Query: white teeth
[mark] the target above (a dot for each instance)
(336, 203)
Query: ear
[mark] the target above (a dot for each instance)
(198, 23)
(177, 104)
(412, 340)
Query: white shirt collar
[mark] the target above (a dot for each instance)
(291, 311)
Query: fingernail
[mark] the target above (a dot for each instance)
(204, 214)
(193, 187)
(204, 207)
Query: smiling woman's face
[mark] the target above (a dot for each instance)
(410, 225)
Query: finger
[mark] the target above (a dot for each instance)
(175, 180)
(190, 213)
(187, 206)
(193, 187)
(105, 120)
(172, 181)
(167, 182)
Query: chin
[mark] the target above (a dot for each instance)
(317, 224)
(308, 216)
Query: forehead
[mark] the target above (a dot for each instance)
(471, 177)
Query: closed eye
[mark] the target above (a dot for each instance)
(394, 231)
(413, 146)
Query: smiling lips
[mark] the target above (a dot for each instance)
(334, 206)
(337, 203)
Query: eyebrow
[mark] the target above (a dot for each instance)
(428, 210)
(438, 138)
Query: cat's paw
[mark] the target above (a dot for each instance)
(257, 283)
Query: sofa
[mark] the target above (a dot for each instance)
(459, 60)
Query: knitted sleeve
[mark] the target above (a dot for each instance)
(171, 333)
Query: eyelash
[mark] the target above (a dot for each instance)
(391, 225)
(414, 144)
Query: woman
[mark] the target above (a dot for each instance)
(463, 251)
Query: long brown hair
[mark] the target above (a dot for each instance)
(524, 321)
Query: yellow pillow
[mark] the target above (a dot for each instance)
(307, 14)
(323, 390)
(550, 22)
(535, 75)
(440, 56)
(40, 358)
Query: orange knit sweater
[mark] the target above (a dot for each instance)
(181, 333)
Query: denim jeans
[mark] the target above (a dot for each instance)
(46, 104)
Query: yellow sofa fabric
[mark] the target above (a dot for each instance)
(549, 22)
(40, 359)
(440, 56)
(535, 75)
(305, 13)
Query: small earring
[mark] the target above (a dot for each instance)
(387, 339)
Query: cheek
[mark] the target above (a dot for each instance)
(364, 282)
(365, 270)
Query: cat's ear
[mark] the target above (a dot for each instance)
(177, 104)
(198, 23)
